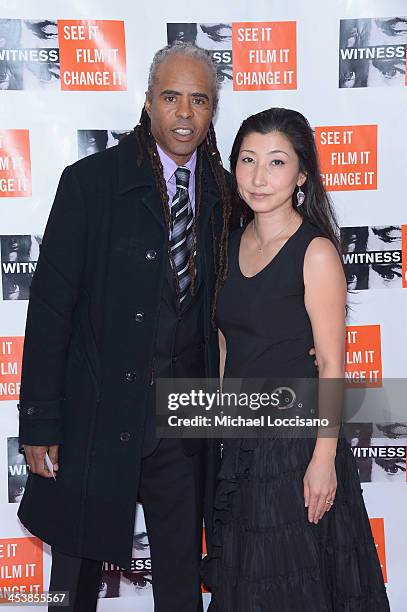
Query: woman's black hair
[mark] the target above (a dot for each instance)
(317, 206)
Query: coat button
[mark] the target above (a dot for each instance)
(130, 376)
(139, 316)
(30, 410)
(125, 436)
(151, 254)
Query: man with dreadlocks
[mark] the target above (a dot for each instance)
(124, 291)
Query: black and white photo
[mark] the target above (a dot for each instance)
(372, 52)
(19, 256)
(372, 257)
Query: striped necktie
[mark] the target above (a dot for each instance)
(181, 235)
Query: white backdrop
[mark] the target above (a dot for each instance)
(357, 104)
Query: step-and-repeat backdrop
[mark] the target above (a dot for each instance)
(72, 82)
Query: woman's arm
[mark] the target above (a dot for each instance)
(325, 301)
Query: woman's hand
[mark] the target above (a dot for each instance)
(319, 485)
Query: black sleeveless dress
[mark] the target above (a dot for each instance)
(267, 556)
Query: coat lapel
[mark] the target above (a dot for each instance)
(141, 178)
(132, 176)
(210, 198)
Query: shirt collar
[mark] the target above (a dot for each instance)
(169, 165)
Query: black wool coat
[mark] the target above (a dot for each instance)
(87, 360)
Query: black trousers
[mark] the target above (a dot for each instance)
(171, 491)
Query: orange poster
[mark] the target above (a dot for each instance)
(11, 354)
(21, 566)
(15, 164)
(404, 256)
(92, 55)
(377, 525)
(363, 356)
(264, 55)
(348, 156)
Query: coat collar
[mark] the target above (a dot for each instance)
(132, 176)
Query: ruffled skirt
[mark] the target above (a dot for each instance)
(267, 556)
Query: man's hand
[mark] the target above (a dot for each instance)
(35, 456)
(312, 352)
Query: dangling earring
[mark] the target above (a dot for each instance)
(300, 197)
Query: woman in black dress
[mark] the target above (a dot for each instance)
(291, 529)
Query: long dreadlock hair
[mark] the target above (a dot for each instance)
(146, 145)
